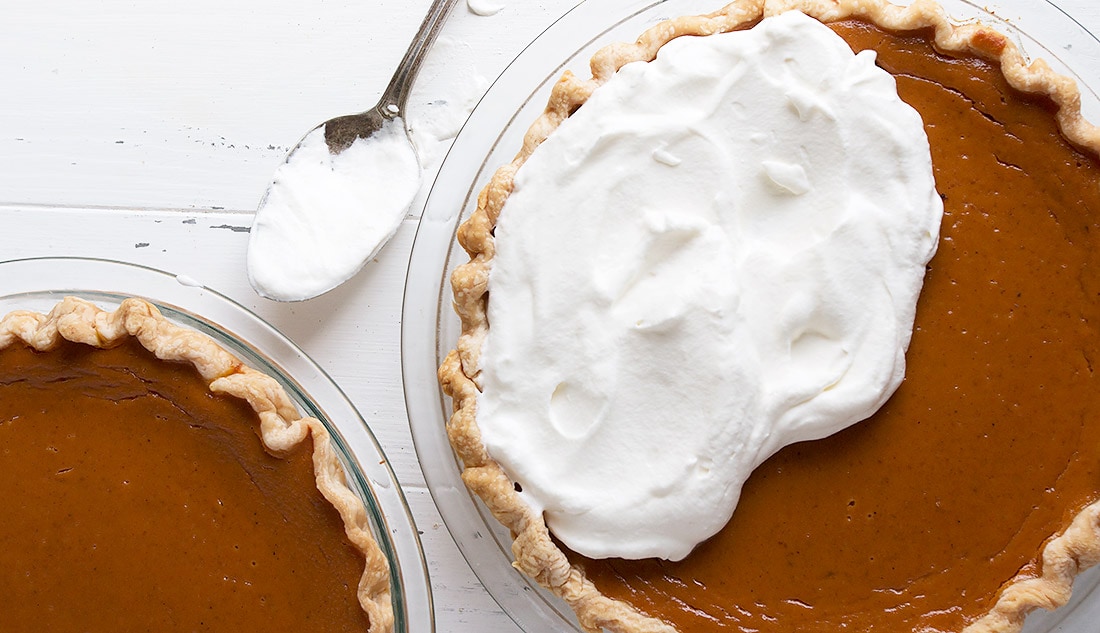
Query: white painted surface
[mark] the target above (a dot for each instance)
(147, 132)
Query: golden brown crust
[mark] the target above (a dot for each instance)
(281, 426)
(535, 553)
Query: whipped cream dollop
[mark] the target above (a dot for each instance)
(327, 214)
(719, 254)
(484, 7)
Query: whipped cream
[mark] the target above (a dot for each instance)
(327, 214)
(455, 90)
(718, 255)
(483, 7)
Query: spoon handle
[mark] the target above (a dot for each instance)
(397, 92)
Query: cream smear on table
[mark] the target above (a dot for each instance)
(326, 214)
(716, 256)
(483, 7)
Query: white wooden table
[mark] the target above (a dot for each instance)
(147, 132)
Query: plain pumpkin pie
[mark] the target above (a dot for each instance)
(154, 482)
(973, 496)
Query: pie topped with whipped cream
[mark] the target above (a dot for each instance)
(154, 482)
(967, 498)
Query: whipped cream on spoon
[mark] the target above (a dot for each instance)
(342, 192)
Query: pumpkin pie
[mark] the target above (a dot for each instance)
(153, 481)
(971, 497)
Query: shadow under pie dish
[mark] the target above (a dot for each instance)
(982, 367)
(163, 483)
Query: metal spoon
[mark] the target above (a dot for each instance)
(298, 247)
(342, 131)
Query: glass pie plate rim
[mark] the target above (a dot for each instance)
(488, 140)
(39, 283)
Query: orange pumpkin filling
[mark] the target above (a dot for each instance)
(136, 499)
(914, 519)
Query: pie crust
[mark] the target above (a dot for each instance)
(536, 554)
(281, 426)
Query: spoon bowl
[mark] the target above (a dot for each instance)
(342, 131)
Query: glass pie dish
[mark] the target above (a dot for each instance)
(490, 138)
(39, 284)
